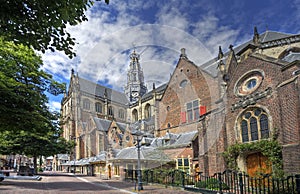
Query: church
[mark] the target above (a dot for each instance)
(239, 110)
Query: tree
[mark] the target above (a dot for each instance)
(27, 126)
(22, 87)
(42, 23)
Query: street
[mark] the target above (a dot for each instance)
(56, 182)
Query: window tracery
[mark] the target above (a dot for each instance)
(254, 125)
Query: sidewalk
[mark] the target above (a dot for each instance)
(130, 186)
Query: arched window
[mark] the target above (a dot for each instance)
(254, 125)
(86, 104)
(147, 111)
(135, 116)
(98, 107)
(110, 111)
(264, 127)
(121, 114)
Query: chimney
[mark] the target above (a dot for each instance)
(183, 55)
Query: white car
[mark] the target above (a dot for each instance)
(1, 176)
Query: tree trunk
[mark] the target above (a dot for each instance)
(35, 164)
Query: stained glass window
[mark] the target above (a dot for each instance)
(254, 125)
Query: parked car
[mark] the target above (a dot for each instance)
(1, 177)
(25, 171)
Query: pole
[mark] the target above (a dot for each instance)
(74, 155)
(140, 184)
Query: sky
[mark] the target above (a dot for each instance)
(157, 30)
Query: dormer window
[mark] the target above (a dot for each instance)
(290, 54)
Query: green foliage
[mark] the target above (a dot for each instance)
(26, 124)
(23, 86)
(211, 183)
(269, 148)
(42, 23)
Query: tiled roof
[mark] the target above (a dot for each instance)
(149, 94)
(102, 124)
(122, 126)
(174, 140)
(99, 90)
(146, 153)
(185, 138)
(211, 65)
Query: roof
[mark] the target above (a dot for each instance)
(99, 158)
(185, 138)
(146, 123)
(99, 91)
(63, 156)
(160, 89)
(102, 124)
(211, 65)
(171, 140)
(146, 153)
(122, 126)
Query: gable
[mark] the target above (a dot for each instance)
(187, 84)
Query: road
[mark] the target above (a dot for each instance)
(58, 183)
(62, 183)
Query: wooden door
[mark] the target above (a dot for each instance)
(258, 164)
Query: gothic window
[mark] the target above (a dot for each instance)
(254, 125)
(86, 104)
(135, 115)
(98, 107)
(264, 126)
(147, 111)
(110, 111)
(121, 114)
(244, 129)
(253, 128)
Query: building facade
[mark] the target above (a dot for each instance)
(245, 97)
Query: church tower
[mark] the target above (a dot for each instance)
(135, 87)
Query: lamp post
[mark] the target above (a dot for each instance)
(74, 155)
(139, 136)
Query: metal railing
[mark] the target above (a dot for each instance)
(226, 182)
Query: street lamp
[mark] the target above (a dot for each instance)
(74, 155)
(139, 138)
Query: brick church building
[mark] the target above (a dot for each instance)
(240, 110)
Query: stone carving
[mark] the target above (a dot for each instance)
(251, 99)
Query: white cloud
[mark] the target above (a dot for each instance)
(105, 41)
(54, 106)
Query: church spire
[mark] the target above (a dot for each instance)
(255, 36)
(135, 87)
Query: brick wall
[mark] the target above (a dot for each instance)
(174, 100)
(282, 106)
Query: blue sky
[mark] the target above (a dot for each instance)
(158, 30)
